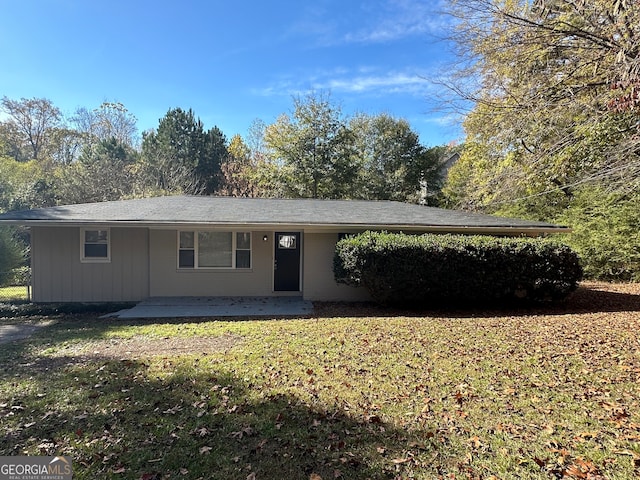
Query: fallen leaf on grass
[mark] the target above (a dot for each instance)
(201, 432)
(205, 450)
(246, 431)
(173, 410)
(584, 436)
(635, 455)
(475, 442)
(540, 462)
(583, 469)
(150, 476)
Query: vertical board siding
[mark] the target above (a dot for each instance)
(59, 276)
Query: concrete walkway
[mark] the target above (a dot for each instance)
(176, 307)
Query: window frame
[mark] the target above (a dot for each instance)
(83, 243)
(196, 248)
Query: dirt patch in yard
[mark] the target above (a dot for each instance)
(127, 349)
(19, 331)
(143, 346)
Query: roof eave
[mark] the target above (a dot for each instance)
(319, 227)
(468, 230)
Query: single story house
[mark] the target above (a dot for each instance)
(172, 246)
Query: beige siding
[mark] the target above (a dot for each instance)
(168, 280)
(318, 282)
(60, 276)
(144, 264)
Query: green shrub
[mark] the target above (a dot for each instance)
(425, 269)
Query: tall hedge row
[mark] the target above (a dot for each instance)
(421, 270)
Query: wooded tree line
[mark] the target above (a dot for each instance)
(554, 128)
(315, 151)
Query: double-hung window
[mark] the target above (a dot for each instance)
(214, 249)
(95, 245)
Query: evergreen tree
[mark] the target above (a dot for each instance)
(181, 155)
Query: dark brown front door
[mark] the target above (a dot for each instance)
(286, 275)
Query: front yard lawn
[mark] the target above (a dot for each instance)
(357, 392)
(13, 293)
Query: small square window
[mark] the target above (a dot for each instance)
(95, 245)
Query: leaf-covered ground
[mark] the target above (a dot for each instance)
(356, 392)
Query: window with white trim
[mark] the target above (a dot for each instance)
(214, 249)
(95, 245)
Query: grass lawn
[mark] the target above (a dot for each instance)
(356, 392)
(13, 293)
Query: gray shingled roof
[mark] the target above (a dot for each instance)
(201, 210)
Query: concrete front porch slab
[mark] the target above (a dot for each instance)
(177, 307)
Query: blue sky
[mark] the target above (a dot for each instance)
(231, 62)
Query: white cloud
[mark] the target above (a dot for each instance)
(369, 22)
(445, 120)
(392, 82)
(364, 81)
(397, 19)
